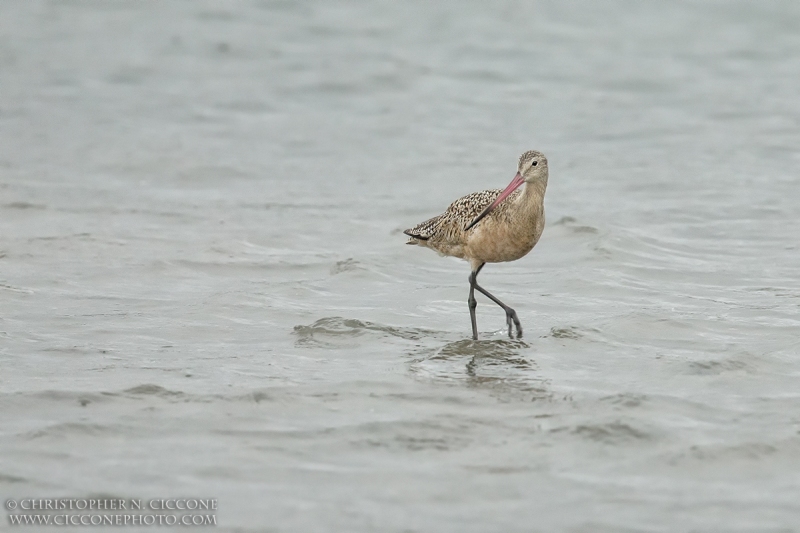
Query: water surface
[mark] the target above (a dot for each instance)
(204, 288)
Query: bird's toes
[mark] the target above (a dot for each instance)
(513, 322)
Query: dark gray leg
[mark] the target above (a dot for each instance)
(511, 315)
(472, 302)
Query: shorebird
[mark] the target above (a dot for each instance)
(491, 226)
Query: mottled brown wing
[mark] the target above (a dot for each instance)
(464, 210)
(456, 217)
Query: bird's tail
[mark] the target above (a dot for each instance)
(423, 231)
(415, 239)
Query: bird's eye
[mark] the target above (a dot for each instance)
(534, 163)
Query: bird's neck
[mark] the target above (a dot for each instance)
(532, 196)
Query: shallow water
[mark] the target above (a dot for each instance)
(204, 289)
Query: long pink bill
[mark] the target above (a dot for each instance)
(513, 186)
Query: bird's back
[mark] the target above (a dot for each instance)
(450, 224)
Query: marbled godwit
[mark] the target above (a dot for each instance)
(483, 228)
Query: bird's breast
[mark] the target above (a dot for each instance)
(496, 240)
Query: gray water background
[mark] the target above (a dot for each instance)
(204, 290)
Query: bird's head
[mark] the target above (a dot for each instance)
(532, 170)
(533, 167)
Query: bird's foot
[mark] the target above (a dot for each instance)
(513, 320)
